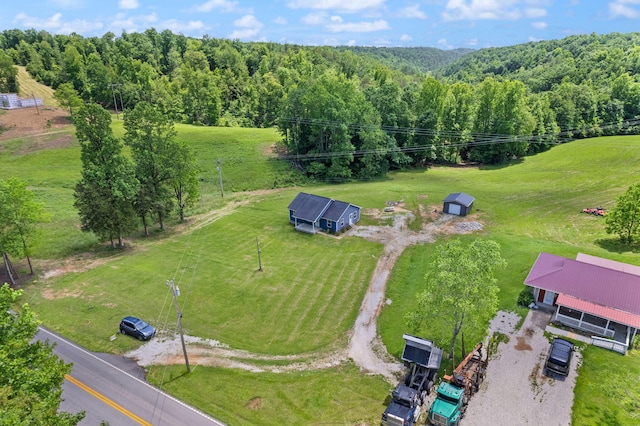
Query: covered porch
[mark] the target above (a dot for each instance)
(611, 328)
(309, 228)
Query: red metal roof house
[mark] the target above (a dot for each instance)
(591, 294)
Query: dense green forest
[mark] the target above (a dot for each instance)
(348, 113)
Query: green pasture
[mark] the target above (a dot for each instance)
(307, 296)
(337, 396)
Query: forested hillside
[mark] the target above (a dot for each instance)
(349, 113)
(411, 60)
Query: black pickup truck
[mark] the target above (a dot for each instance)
(559, 358)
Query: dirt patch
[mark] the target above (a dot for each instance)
(51, 294)
(32, 121)
(255, 403)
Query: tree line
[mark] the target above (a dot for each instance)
(116, 192)
(343, 113)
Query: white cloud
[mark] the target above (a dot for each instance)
(56, 25)
(53, 22)
(248, 21)
(280, 20)
(457, 10)
(128, 4)
(317, 18)
(244, 34)
(133, 23)
(619, 8)
(351, 43)
(472, 42)
(336, 19)
(338, 5)
(181, 27)
(250, 27)
(535, 12)
(68, 4)
(406, 37)
(443, 44)
(358, 27)
(224, 5)
(539, 25)
(412, 12)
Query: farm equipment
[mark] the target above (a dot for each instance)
(455, 390)
(596, 211)
(423, 361)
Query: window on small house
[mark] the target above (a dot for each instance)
(342, 221)
(329, 224)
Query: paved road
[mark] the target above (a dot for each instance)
(110, 389)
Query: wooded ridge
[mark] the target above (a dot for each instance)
(352, 112)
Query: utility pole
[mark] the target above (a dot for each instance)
(220, 178)
(259, 261)
(35, 102)
(176, 292)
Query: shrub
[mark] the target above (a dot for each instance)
(526, 297)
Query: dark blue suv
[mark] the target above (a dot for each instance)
(137, 328)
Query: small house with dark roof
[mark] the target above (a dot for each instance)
(313, 213)
(591, 294)
(458, 203)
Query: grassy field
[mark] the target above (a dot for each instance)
(307, 297)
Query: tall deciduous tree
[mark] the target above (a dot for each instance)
(8, 74)
(32, 375)
(184, 176)
(67, 97)
(460, 287)
(624, 218)
(19, 215)
(150, 134)
(105, 194)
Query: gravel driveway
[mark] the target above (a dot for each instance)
(514, 391)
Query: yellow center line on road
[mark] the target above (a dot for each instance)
(106, 400)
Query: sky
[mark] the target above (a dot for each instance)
(444, 24)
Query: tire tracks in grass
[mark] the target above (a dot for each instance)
(304, 296)
(364, 345)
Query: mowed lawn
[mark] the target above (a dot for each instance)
(307, 296)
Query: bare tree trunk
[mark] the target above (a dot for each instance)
(26, 253)
(161, 220)
(145, 225)
(10, 272)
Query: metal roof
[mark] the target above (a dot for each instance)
(616, 315)
(460, 198)
(588, 282)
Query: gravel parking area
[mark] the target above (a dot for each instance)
(515, 392)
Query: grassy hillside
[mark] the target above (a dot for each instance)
(306, 298)
(30, 87)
